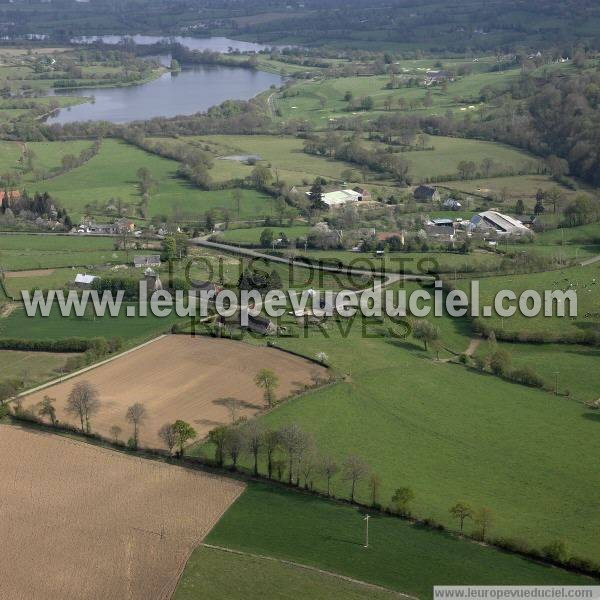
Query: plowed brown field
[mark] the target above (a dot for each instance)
(82, 522)
(179, 377)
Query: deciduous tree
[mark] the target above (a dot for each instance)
(461, 511)
(136, 414)
(83, 402)
(354, 470)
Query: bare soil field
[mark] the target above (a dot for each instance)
(82, 522)
(180, 377)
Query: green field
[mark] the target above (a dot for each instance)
(585, 281)
(132, 330)
(319, 100)
(33, 251)
(285, 156)
(297, 527)
(573, 367)
(214, 574)
(112, 174)
(46, 157)
(453, 434)
(410, 262)
(251, 235)
(512, 188)
(32, 368)
(448, 152)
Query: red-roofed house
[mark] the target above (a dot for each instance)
(10, 195)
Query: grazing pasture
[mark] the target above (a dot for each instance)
(23, 251)
(96, 523)
(452, 434)
(31, 367)
(180, 377)
(112, 174)
(130, 329)
(585, 281)
(401, 556)
(209, 574)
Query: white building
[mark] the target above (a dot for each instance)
(84, 281)
(340, 197)
(495, 222)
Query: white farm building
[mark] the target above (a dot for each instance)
(340, 197)
(495, 222)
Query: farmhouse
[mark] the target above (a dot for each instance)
(437, 77)
(149, 260)
(119, 226)
(262, 325)
(426, 193)
(451, 204)
(365, 194)
(7, 197)
(440, 228)
(152, 280)
(491, 221)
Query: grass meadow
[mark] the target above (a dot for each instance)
(32, 368)
(401, 556)
(452, 434)
(285, 156)
(585, 281)
(214, 574)
(132, 330)
(112, 174)
(26, 251)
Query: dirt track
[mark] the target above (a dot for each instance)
(81, 522)
(179, 377)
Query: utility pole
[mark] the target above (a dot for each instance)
(366, 520)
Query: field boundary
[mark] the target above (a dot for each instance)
(88, 368)
(169, 590)
(309, 568)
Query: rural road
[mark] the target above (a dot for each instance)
(590, 261)
(303, 263)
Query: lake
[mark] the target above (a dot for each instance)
(215, 44)
(187, 92)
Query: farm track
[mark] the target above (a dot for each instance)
(388, 278)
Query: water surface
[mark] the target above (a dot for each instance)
(187, 92)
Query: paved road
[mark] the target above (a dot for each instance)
(590, 261)
(300, 262)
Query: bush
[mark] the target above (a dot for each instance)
(513, 545)
(557, 551)
(500, 362)
(71, 344)
(526, 376)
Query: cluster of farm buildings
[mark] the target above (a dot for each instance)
(487, 223)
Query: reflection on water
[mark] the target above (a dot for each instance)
(183, 93)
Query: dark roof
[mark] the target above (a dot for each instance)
(424, 191)
(260, 324)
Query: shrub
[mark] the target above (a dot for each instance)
(513, 545)
(500, 362)
(526, 376)
(557, 551)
